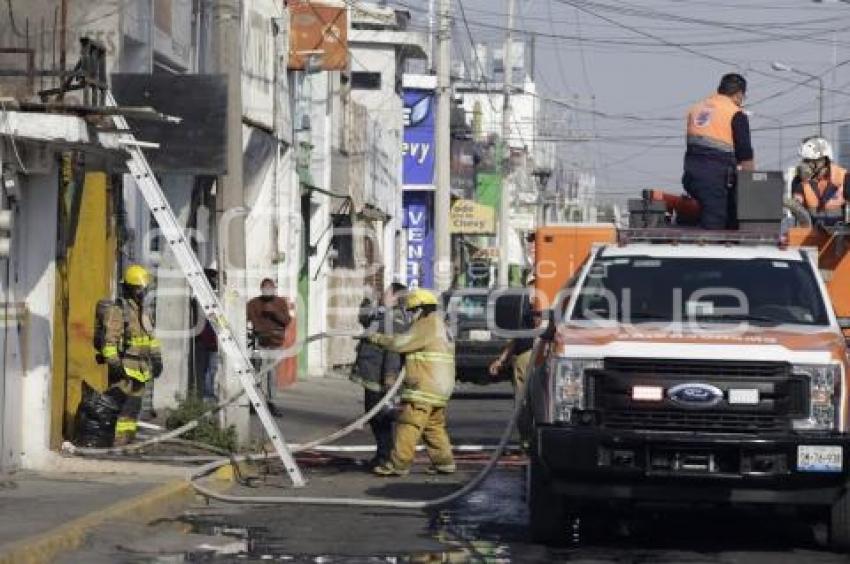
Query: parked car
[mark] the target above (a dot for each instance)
(478, 319)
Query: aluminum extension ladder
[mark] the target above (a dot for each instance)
(204, 294)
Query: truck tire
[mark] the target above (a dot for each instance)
(547, 516)
(839, 523)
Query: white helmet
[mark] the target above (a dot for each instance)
(814, 148)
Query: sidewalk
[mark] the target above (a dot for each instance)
(315, 407)
(75, 515)
(43, 515)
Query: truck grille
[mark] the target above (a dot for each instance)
(782, 396)
(695, 422)
(702, 368)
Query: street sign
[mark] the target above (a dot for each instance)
(471, 218)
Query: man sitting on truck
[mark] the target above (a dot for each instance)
(718, 145)
(820, 185)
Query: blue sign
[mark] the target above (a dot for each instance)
(417, 148)
(419, 222)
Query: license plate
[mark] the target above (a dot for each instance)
(819, 458)
(479, 335)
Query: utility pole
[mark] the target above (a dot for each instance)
(431, 57)
(505, 200)
(230, 200)
(442, 266)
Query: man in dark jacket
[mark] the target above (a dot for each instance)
(377, 369)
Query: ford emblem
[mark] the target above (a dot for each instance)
(695, 395)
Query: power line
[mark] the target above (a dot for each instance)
(482, 73)
(580, 6)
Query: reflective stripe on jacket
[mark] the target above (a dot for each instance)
(135, 351)
(710, 123)
(429, 362)
(825, 195)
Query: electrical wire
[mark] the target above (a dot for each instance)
(483, 74)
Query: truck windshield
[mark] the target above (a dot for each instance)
(647, 289)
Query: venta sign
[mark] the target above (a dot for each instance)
(419, 260)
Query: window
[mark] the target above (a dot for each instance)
(366, 80)
(646, 289)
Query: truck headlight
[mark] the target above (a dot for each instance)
(568, 385)
(824, 395)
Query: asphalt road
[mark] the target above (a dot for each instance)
(487, 526)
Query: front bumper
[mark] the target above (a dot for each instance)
(595, 463)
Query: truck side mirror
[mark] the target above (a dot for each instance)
(507, 309)
(548, 334)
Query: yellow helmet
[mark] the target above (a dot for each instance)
(136, 275)
(420, 297)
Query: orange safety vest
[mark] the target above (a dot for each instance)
(828, 194)
(710, 123)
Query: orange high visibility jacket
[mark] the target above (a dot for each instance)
(710, 123)
(825, 195)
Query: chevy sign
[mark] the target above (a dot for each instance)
(417, 148)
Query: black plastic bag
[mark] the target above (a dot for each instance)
(96, 417)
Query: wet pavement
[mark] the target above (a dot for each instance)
(487, 526)
(490, 526)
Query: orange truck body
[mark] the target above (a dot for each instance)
(560, 250)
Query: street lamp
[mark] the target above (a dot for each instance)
(782, 67)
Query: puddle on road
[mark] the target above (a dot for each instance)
(479, 528)
(487, 526)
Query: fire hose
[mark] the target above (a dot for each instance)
(190, 425)
(464, 490)
(358, 423)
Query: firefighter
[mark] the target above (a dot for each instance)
(429, 381)
(517, 354)
(376, 368)
(130, 350)
(718, 145)
(820, 185)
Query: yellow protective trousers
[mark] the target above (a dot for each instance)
(132, 391)
(425, 421)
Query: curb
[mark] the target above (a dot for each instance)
(45, 546)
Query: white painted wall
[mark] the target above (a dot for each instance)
(320, 220)
(386, 107)
(30, 347)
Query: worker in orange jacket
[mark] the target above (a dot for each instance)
(820, 185)
(718, 146)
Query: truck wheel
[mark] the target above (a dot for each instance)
(547, 517)
(839, 524)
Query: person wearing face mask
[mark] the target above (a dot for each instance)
(820, 185)
(429, 368)
(268, 316)
(718, 145)
(130, 350)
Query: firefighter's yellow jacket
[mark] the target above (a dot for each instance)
(429, 361)
(137, 350)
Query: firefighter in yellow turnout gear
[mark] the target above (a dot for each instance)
(429, 381)
(130, 350)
